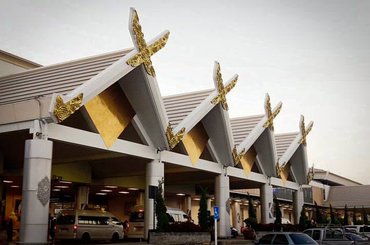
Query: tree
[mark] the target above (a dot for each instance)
(252, 217)
(318, 215)
(354, 216)
(332, 215)
(345, 222)
(364, 214)
(278, 214)
(303, 220)
(160, 209)
(204, 213)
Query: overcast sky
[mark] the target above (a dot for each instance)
(312, 55)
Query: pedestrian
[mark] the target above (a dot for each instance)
(9, 230)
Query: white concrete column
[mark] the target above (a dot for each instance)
(267, 204)
(82, 199)
(154, 173)
(36, 191)
(298, 202)
(209, 204)
(222, 194)
(187, 204)
(237, 215)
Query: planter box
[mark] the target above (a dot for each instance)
(179, 237)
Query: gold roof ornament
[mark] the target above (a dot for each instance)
(283, 171)
(63, 110)
(304, 131)
(174, 139)
(269, 113)
(222, 90)
(310, 175)
(144, 51)
(237, 157)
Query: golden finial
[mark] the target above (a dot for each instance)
(310, 175)
(222, 90)
(174, 139)
(64, 110)
(237, 156)
(270, 115)
(283, 171)
(144, 51)
(304, 131)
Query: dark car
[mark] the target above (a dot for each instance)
(286, 238)
(357, 238)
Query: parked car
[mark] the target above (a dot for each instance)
(357, 238)
(360, 229)
(286, 238)
(88, 225)
(330, 236)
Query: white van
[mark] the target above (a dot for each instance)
(136, 222)
(88, 225)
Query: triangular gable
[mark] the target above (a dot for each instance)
(260, 138)
(296, 156)
(136, 78)
(207, 125)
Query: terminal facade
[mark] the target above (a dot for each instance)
(97, 133)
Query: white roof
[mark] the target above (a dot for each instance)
(242, 126)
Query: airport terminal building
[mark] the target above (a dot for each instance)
(97, 133)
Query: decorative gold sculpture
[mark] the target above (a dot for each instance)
(144, 51)
(310, 175)
(222, 90)
(174, 139)
(237, 156)
(63, 110)
(304, 131)
(270, 115)
(283, 171)
(195, 141)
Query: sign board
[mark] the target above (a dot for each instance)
(216, 213)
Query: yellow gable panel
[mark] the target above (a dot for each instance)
(110, 112)
(247, 160)
(195, 141)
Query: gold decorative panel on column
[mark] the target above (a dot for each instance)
(195, 141)
(110, 112)
(283, 171)
(248, 160)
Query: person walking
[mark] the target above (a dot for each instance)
(9, 230)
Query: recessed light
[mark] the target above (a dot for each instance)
(101, 194)
(111, 186)
(105, 190)
(180, 194)
(61, 186)
(14, 186)
(124, 192)
(7, 181)
(56, 189)
(133, 189)
(196, 199)
(65, 182)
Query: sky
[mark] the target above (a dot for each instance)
(313, 55)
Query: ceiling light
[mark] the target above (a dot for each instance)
(65, 182)
(105, 190)
(14, 186)
(111, 186)
(180, 194)
(124, 192)
(61, 186)
(7, 181)
(101, 194)
(196, 199)
(133, 189)
(56, 189)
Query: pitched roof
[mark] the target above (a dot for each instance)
(283, 141)
(242, 126)
(60, 78)
(351, 195)
(180, 105)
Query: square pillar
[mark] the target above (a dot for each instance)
(267, 204)
(298, 201)
(154, 174)
(36, 191)
(222, 196)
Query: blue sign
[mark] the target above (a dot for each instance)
(215, 211)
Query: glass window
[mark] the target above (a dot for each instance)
(116, 221)
(136, 217)
(266, 239)
(308, 232)
(299, 238)
(334, 235)
(280, 239)
(66, 220)
(316, 235)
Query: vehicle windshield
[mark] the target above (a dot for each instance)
(354, 237)
(301, 239)
(66, 220)
(137, 217)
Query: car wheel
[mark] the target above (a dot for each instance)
(115, 237)
(85, 238)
